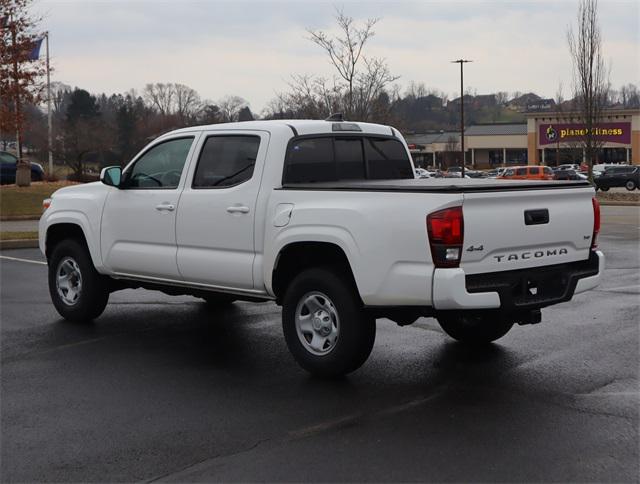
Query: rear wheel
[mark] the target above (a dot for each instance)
(325, 326)
(78, 292)
(604, 189)
(475, 329)
(630, 185)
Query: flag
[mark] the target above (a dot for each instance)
(35, 52)
(4, 22)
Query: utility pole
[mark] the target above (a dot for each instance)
(49, 119)
(461, 62)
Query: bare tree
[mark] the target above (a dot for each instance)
(630, 96)
(590, 76)
(365, 78)
(187, 102)
(160, 96)
(345, 51)
(452, 150)
(502, 98)
(230, 107)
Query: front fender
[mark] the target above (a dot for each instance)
(90, 230)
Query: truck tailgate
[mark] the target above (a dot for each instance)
(511, 230)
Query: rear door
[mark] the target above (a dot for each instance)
(216, 215)
(509, 230)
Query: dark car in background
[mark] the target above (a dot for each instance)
(627, 176)
(568, 174)
(8, 164)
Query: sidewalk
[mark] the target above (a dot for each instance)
(19, 226)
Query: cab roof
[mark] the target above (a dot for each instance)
(298, 127)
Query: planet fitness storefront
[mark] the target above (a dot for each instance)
(557, 138)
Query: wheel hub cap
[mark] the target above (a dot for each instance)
(68, 281)
(317, 323)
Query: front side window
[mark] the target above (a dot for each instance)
(226, 161)
(521, 172)
(160, 167)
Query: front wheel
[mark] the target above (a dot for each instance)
(604, 189)
(630, 185)
(475, 329)
(78, 292)
(325, 326)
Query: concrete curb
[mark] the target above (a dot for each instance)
(19, 244)
(13, 218)
(619, 203)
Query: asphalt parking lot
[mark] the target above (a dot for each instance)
(160, 388)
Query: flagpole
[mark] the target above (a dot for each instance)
(49, 114)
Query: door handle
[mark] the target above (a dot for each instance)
(238, 209)
(169, 207)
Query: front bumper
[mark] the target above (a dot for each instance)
(517, 290)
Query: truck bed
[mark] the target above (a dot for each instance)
(437, 185)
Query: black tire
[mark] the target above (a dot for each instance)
(604, 189)
(94, 293)
(215, 300)
(356, 331)
(630, 185)
(472, 329)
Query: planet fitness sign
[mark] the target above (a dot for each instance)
(565, 133)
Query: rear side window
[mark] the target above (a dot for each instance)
(534, 170)
(521, 171)
(226, 161)
(310, 160)
(349, 159)
(346, 158)
(387, 159)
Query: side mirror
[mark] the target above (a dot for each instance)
(111, 176)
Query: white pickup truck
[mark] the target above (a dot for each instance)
(326, 219)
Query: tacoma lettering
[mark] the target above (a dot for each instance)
(527, 255)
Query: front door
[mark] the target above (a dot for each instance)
(138, 232)
(215, 224)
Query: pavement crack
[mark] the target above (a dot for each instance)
(204, 463)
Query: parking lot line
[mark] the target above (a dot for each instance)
(6, 257)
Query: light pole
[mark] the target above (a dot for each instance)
(461, 62)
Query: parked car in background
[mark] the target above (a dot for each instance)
(567, 166)
(496, 172)
(476, 174)
(627, 176)
(8, 164)
(527, 173)
(569, 175)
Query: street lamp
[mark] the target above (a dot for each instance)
(461, 62)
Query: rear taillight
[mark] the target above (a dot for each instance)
(446, 235)
(596, 222)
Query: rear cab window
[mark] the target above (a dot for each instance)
(334, 158)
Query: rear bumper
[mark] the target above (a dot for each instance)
(518, 290)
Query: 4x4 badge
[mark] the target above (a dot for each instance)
(473, 249)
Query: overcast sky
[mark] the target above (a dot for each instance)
(250, 48)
